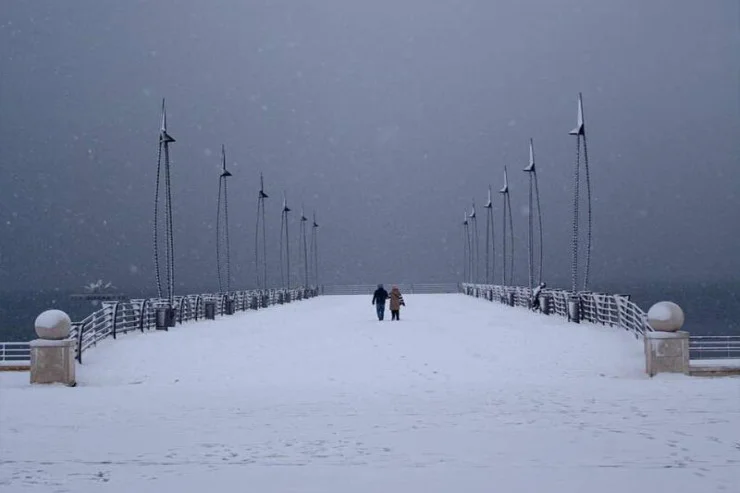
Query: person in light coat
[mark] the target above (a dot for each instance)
(396, 303)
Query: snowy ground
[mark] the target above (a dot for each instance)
(461, 395)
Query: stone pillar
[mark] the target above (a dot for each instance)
(667, 347)
(52, 355)
(666, 352)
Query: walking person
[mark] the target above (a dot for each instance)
(396, 303)
(379, 297)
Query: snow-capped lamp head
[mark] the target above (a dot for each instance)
(164, 137)
(315, 224)
(665, 316)
(472, 211)
(53, 325)
(303, 215)
(286, 209)
(489, 203)
(505, 188)
(530, 167)
(224, 172)
(465, 217)
(580, 126)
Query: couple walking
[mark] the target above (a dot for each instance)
(379, 297)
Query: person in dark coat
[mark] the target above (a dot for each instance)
(379, 297)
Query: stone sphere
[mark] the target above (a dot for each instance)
(665, 316)
(53, 325)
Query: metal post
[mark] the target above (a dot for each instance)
(165, 139)
(490, 243)
(466, 248)
(580, 132)
(261, 279)
(534, 197)
(315, 250)
(508, 232)
(223, 237)
(475, 253)
(304, 220)
(284, 231)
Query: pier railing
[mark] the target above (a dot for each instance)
(714, 347)
(116, 318)
(600, 308)
(15, 352)
(406, 288)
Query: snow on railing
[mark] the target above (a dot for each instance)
(15, 352)
(118, 317)
(714, 347)
(406, 288)
(607, 309)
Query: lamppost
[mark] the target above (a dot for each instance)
(222, 237)
(304, 222)
(474, 251)
(165, 139)
(508, 233)
(490, 244)
(534, 196)
(580, 132)
(466, 247)
(284, 230)
(261, 280)
(315, 250)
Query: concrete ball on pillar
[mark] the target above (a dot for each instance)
(665, 316)
(53, 325)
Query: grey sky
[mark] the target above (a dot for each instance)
(388, 117)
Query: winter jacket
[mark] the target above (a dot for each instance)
(396, 299)
(379, 296)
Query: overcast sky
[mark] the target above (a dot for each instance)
(388, 117)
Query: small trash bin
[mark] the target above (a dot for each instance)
(165, 317)
(210, 309)
(229, 306)
(574, 309)
(545, 304)
(510, 299)
(265, 300)
(253, 304)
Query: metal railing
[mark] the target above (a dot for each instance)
(606, 309)
(15, 352)
(406, 288)
(115, 318)
(714, 347)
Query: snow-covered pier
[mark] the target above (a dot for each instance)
(461, 394)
